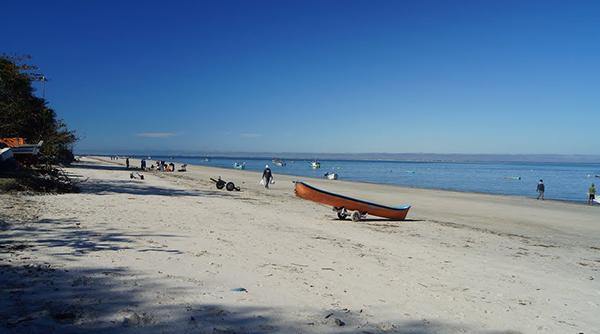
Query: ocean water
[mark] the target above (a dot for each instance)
(564, 181)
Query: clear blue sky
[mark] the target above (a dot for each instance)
(514, 77)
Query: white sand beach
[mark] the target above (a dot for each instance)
(167, 253)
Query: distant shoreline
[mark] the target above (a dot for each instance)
(400, 157)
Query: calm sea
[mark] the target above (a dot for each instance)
(564, 181)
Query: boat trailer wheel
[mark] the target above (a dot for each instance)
(356, 216)
(220, 184)
(230, 186)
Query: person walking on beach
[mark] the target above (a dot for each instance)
(127, 162)
(540, 189)
(592, 193)
(143, 164)
(267, 176)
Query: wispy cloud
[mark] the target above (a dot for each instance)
(251, 135)
(158, 134)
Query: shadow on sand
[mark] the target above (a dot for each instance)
(72, 240)
(44, 297)
(40, 298)
(137, 187)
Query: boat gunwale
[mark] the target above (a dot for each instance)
(399, 208)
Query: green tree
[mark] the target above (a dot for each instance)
(22, 114)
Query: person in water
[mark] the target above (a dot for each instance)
(592, 193)
(267, 176)
(540, 189)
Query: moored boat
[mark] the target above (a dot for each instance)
(6, 153)
(331, 176)
(239, 166)
(343, 204)
(7, 160)
(315, 164)
(23, 152)
(278, 162)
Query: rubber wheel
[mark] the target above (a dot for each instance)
(342, 216)
(355, 216)
(230, 186)
(220, 184)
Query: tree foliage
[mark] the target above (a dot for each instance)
(22, 114)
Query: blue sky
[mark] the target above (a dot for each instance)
(506, 77)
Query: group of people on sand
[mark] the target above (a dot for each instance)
(591, 192)
(162, 166)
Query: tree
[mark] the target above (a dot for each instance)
(22, 114)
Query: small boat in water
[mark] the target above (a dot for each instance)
(239, 166)
(331, 176)
(279, 162)
(343, 205)
(315, 164)
(207, 159)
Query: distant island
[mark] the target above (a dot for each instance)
(431, 157)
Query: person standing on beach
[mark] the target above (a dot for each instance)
(127, 162)
(143, 164)
(540, 189)
(267, 176)
(592, 193)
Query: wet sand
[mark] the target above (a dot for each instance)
(164, 255)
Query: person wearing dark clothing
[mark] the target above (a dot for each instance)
(143, 164)
(540, 189)
(127, 162)
(267, 176)
(592, 193)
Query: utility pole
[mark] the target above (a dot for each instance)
(43, 80)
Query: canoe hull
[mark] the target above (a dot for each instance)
(27, 153)
(310, 193)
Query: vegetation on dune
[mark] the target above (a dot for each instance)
(24, 115)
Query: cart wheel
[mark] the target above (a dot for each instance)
(341, 216)
(355, 216)
(220, 184)
(230, 186)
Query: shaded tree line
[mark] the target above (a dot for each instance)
(22, 114)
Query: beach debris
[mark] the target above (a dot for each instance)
(329, 315)
(327, 268)
(134, 319)
(339, 322)
(62, 312)
(240, 290)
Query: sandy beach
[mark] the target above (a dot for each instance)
(173, 254)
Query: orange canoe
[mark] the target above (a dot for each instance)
(343, 204)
